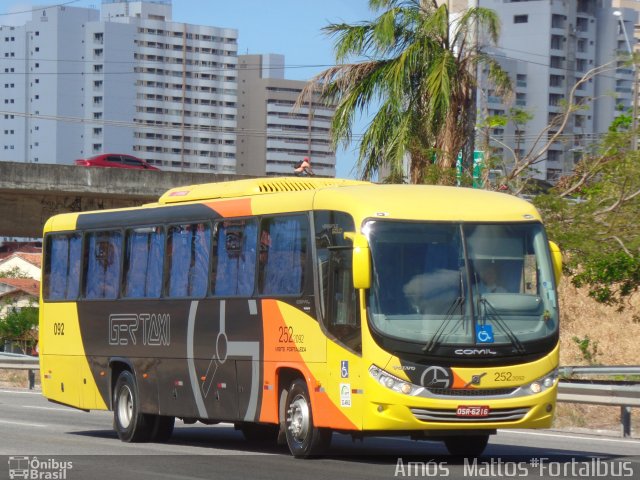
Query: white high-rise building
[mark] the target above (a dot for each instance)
(127, 79)
(547, 46)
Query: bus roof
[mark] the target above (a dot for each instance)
(361, 199)
(250, 187)
(426, 202)
(365, 199)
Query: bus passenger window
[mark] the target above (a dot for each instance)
(283, 255)
(62, 267)
(338, 298)
(144, 256)
(234, 262)
(102, 257)
(188, 251)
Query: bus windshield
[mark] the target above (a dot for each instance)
(461, 283)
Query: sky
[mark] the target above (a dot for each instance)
(292, 28)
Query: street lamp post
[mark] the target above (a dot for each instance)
(634, 120)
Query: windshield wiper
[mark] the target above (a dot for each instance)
(436, 339)
(503, 325)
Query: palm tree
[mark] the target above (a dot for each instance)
(420, 69)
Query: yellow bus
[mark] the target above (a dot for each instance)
(298, 307)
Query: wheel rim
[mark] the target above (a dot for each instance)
(299, 418)
(125, 406)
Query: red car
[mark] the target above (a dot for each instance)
(115, 160)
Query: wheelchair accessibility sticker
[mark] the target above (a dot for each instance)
(344, 369)
(484, 334)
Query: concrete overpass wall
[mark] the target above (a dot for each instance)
(31, 193)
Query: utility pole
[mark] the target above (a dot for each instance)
(468, 149)
(634, 120)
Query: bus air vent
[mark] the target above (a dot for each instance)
(250, 187)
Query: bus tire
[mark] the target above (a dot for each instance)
(466, 446)
(129, 423)
(162, 428)
(303, 438)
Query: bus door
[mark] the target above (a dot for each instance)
(341, 319)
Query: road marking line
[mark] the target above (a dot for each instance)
(70, 410)
(20, 391)
(23, 424)
(575, 437)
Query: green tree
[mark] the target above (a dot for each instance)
(593, 214)
(420, 69)
(520, 168)
(19, 326)
(14, 272)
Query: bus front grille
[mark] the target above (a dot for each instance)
(471, 392)
(449, 415)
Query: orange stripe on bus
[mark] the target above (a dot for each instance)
(231, 208)
(325, 412)
(459, 382)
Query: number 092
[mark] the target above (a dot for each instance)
(58, 328)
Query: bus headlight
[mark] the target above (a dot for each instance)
(393, 383)
(543, 383)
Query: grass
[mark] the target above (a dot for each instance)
(596, 334)
(615, 333)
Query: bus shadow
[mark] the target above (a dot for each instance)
(212, 437)
(524, 459)
(373, 450)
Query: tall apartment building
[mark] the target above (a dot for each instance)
(79, 81)
(546, 46)
(272, 134)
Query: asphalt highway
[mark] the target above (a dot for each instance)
(39, 439)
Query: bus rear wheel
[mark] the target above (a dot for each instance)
(303, 438)
(467, 446)
(129, 423)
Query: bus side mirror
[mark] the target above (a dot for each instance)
(556, 259)
(361, 260)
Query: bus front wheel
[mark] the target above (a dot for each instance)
(467, 446)
(303, 438)
(129, 423)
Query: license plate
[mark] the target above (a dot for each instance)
(472, 411)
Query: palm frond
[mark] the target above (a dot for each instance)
(419, 74)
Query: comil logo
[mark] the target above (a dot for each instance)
(38, 469)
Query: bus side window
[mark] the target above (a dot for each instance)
(188, 253)
(234, 258)
(338, 298)
(62, 269)
(283, 255)
(144, 255)
(102, 255)
(155, 264)
(199, 271)
(343, 315)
